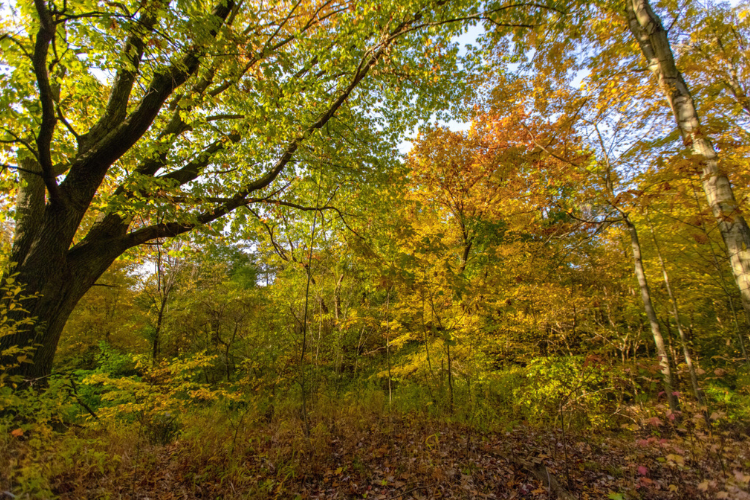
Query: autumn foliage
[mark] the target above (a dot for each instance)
(346, 256)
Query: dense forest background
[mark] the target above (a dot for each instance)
(326, 249)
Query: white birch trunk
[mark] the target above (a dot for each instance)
(661, 350)
(652, 38)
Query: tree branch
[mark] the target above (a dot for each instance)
(89, 168)
(132, 53)
(46, 97)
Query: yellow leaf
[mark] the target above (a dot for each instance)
(678, 459)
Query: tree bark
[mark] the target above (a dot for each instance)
(653, 40)
(661, 350)
(676, 314)
(29, 206)
(64, 284)
(725, 288)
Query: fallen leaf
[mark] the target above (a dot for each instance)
(678, 459)
(655, 421)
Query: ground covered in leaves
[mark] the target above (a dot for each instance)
(403, 457)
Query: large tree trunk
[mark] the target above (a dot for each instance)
(661, 350)
(652, 38)
(56, 289)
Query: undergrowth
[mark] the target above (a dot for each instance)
(94, 434)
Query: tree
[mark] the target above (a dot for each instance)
(200, 111)
(610, 189)
(678, 322)
(168, 267)
(646, 27)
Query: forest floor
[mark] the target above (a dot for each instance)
(412, 457)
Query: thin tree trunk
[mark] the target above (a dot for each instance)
(229, 367)
(672, 350)
(676, 314)
(450, 372)
(426, 346)
(359, 348)
(162, 303)
(157, 330)
(653, 40)
(303, 378)
(388, 344)
(737, 329)
(651, 314)
(320, 332)
(337, 299)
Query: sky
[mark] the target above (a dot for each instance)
(468, 38)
